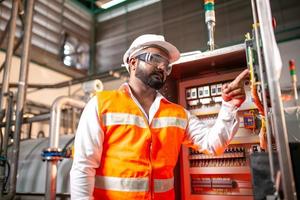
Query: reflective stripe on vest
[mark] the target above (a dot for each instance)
(163, 185)
(110, 119)
(132, 184)
(163, 122)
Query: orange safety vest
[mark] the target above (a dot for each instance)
(138, 159)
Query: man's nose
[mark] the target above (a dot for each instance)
(161, 66)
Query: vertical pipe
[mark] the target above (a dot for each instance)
(8, 123)
(69, 120)
(6, 75)
(54, 142)
(4, 32)
(21, 95)
(161, 18)
(51, 180)
(5, 138)
(29, 136)
(263, 85)
(19, 41)
(73, 123)
(8, 58)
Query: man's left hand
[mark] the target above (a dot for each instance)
(234, 92)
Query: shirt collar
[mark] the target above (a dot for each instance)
(126, 88)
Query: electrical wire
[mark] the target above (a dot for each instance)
(68, 143)
(255, 98)
(67, 153)
(253, 82)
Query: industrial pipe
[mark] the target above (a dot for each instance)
(8, 59)
(19, 41)
(4, 32)
(6, 75)
(103, 76)
(21, 13)
(17, 45)
(8, 124)
(54, 141)
(21, 95)
(28, 120)
(4, 142)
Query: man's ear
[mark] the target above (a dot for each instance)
(133, 64)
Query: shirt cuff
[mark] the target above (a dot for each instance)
(228, 110)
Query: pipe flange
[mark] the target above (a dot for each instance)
(52, 154)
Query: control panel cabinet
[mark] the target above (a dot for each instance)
(199, 81)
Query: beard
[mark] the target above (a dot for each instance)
(154, 80)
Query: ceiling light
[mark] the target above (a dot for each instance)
(109, 4)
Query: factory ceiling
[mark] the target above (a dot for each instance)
(101, 6)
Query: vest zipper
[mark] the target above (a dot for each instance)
(151, 182)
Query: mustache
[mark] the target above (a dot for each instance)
(158, 72)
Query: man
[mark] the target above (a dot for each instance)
(128, 140)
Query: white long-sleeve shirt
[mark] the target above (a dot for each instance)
(89, 139)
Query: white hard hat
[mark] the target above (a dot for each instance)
(149, 40)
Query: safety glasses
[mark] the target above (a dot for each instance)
(155, 60)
